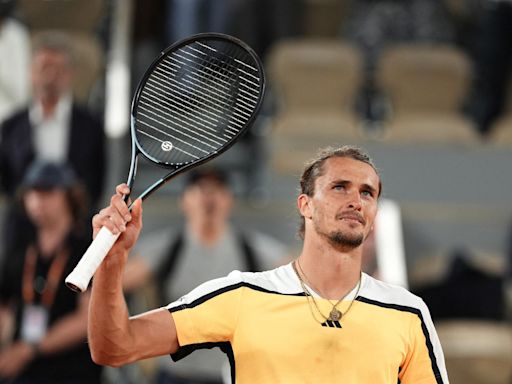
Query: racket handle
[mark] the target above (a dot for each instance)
(79, 278)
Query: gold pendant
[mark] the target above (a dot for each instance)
(335, 315)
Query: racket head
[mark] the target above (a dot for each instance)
(196, 99)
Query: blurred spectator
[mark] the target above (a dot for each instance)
(48, 344)
(208, 246)
(53, 127)
(15, 53)
(492, 56)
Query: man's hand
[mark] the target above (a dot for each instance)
(118, 219)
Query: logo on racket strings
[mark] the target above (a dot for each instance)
(166, 146)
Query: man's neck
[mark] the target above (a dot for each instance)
(48, 107)
(49, 103)
(331, 272)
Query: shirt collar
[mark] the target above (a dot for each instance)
(62, 111)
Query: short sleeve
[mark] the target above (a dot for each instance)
(424, 363)
(208, 315)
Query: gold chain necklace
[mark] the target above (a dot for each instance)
(335, 314)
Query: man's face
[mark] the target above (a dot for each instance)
(45, 207)
(51, 74)
(344, 204)
(207, 199)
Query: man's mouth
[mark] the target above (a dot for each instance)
(351, 217)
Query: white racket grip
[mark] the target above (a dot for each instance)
(78, 280)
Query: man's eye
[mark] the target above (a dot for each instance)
(339, 187)
(367, 194)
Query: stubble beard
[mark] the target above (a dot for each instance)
(345, 240)
(341, 239)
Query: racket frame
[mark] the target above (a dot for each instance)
(178, 169)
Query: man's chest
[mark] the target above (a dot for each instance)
(291, 336)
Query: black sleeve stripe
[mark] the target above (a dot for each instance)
(225, 289)
(418, 313)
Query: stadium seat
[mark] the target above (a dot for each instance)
(477, 352)
(501, 132)
(428, 129)
(315, 83)
(425, 85)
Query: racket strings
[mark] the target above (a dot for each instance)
(224, 69)
(196, 100)
(190, 121)
(178, 108)
(214, 114)
(227, 62)
(241, 110)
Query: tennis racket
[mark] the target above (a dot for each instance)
(194, 101)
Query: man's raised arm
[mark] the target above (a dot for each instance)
(116, 339)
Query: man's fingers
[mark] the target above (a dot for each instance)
(116, 215)
(121, 208)
(137, 212)
(101, 219)
(110, 218)
(122, 189)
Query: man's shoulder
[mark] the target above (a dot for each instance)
(14, 129)
(279, 280)
(14, 120)
(275, 281)
(389, 295)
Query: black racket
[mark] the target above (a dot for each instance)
(192, 104)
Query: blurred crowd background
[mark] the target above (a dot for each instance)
(424, 85)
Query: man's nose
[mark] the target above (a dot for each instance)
(355, 201)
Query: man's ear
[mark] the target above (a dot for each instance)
(303, 204)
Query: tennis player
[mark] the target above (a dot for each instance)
(318, 319)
